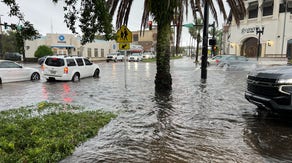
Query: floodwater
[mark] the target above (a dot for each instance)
(196, 122)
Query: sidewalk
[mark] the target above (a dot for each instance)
(270, 61)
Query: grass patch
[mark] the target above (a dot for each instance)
(47, 132)
(154, 59)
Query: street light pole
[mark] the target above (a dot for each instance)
(205, 43)
(284, 29)
(1, 35)
(258, 31)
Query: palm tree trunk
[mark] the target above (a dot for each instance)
(163, 79)
(197, 48)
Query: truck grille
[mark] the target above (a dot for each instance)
(263, 86)
(268, 88)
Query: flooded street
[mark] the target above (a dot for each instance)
(197, 122)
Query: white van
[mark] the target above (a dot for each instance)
(69, 68)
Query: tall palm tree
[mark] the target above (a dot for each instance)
(195, 32)
(164, 13)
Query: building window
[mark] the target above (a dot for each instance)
(253, 10)
(89, 52)
(96, 52)
(135, 37)
(102, 53)
(267, 7)
(283, 7)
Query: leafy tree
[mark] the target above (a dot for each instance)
(43, 50)
(95, 16)
(195, 32)
(25, 31)
(8, 42)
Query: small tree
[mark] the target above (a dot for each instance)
(43, 50)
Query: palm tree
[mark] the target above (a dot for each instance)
(164, 13)
(218, 37)
(195, 32)
(94, 17)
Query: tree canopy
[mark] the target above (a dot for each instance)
(43, 50)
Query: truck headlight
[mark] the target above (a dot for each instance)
(285, 81)
(287, 89)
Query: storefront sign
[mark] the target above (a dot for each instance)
(248, 30)
(61, 39)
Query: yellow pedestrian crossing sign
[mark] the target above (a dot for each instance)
(124, 35)
(124, 46)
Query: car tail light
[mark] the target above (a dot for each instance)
(66, 70)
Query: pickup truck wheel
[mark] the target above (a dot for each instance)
(96, 73)
(76, 77)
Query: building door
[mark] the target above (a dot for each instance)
(249, 47)
(289, 49)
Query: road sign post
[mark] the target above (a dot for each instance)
(124, 35)
(124, 38)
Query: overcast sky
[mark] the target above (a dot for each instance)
(49, 18)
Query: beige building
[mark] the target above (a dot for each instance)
(147, 39)
(69, 44)
(268, 22)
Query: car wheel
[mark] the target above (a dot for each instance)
(76, 77)
(35, 76)
(96, 73)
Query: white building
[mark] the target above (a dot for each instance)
(274, 18)
(68, 44)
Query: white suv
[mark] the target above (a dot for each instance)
(68, 68)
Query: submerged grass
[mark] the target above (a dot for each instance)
(154, 59)
(47, 132)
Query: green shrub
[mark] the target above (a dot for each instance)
(43, 50)
(47, 132)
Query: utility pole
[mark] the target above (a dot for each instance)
(284, 29)
(1, 35)
(258, 31)
(213, 42)
(205, 43)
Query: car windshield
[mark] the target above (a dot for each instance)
(58, 62)
(7, 64)
(136, 54)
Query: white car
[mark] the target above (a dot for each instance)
(148, 55)
(12, 72)
(120, 57)
(112, 57)
(69, 68)
(136, 57)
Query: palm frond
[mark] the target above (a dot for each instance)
(237, 8)
(145, 16)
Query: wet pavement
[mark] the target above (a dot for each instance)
(197, 122)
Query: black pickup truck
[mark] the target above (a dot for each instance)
(271, 88)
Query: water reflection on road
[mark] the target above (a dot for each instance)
(197, 122)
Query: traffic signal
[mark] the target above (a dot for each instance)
(212, 42)
(5, 25)
(215, 48)
(13, 26)
(150, 25)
